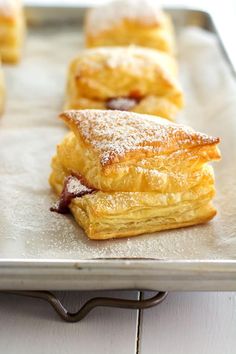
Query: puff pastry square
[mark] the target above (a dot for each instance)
(133, 78)
(124, 22)
(125, 174)
(12, 28)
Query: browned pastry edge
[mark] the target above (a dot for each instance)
(177, 136)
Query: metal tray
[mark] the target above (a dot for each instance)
(29, 261)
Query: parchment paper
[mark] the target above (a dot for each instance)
(30, 130)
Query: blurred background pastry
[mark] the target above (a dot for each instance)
(12, 29)
(126, 22)
(131, 78)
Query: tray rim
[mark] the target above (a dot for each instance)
(118, 274)
(123, 263)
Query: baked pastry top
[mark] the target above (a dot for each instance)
(139, 173)
(124, 78)
(12, 28)
(124, 22)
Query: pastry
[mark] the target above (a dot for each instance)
(135, 79)
(124, 174)
(124, 22)
(12, 27)
(2, 90)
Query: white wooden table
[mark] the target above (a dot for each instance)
(185, 323)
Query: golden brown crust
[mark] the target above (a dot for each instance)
(146, 173)
(120, 23)
(114, 215)
(117, 136)
(99, 74)
(158, 174)
(12, 28)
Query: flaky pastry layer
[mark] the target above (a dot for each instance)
(123, 23)
(136, 175)
(123, 151)
(100, 74)
(124, 174)
(121, 214)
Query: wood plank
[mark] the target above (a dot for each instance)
(31, 326)
(190, 323)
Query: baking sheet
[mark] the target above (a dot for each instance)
(30, 130)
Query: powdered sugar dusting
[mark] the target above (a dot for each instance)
(29, 127)
(132, 57)
(74, 186)
(149, 172)
(144, 11)
(127, 56)
(115, 133)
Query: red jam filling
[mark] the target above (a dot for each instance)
(73, 187)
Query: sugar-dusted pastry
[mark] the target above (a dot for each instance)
(133, 78)
(2, 90)
(126, 22)
(124, 174)
(12, 28)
